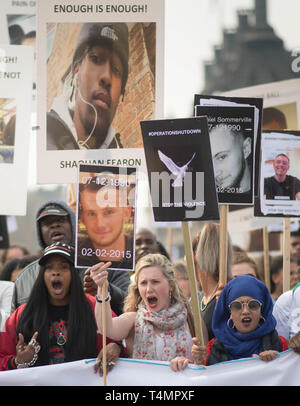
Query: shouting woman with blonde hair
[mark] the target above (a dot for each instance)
(157, 321)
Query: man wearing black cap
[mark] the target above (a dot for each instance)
(56, 223)
(100, 72)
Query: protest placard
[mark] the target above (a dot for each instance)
(16, 67)
(84, 114)
(106, 204)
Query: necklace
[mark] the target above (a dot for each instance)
(61, 339)
(204, 306)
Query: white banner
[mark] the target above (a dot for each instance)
(282, 371)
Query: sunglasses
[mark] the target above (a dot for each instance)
(236, 306)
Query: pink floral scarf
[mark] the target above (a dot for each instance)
(173, 326)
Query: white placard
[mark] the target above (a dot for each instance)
(286, 145)
(59, 24)
(286, 92)
(16, 70)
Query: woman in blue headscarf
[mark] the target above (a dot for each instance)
(243, 323)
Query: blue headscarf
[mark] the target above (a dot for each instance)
(242, 345)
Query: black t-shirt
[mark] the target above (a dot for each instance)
(58, 332)
(289, 188)
(207, 314)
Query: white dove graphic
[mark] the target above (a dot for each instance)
(178, 171)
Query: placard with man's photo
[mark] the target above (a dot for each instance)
(98, 86)
(281, 102)
(232, 140)
(257, 104)
(180, 169)
(105, 216)
(280, 173)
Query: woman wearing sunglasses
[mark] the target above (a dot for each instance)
(243, 324)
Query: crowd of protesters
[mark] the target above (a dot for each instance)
(52, 312)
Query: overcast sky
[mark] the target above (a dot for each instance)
(194, 27)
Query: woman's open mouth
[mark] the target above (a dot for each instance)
(246, 321)
(152, 301)
(57, 286)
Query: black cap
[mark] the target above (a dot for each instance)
(113, 34)
(52, 210)
(58, 248)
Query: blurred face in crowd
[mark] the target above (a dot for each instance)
(56, 229)
(14, 252)
(145, 243)
(184, 283)
(229, 152)
(295, 247)
(295, 277)
(242, 269)
(277, 279)
(154, 288)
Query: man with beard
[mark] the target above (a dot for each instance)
(100, 72)
(230, 151)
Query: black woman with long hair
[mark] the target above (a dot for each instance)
(57, 324)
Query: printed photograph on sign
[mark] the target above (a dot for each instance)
(281, 117)
(21, 29)
(232, 139)
(16, 63)
(106, 201)
(7, 130)
(280, 173)
(180, 170)
(102, 87)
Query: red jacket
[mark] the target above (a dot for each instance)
(8, 338)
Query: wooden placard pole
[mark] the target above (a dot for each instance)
(170, 241)
(192, 279)
(104, 335)
(266, 258)
(286, 254)
(223, 244)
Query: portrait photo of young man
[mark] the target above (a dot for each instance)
(105, 223)
(230, 153)
(97, 93)
(281, 185)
